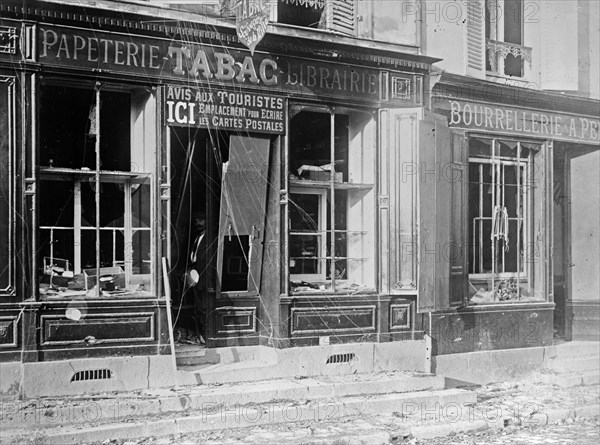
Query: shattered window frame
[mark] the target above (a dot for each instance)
(96, 190)
(332, 153)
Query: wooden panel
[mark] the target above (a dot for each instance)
(492, 328)
(8, 332)
(105, 328)
(236, 320)
(7, 132)
(333, 319)
(400, 316)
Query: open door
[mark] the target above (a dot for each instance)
(435, 210)
(418, 187)
(242, 215)
(582, 254)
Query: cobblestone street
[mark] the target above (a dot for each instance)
(517, 413)
(578, 432)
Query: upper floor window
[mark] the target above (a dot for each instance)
(334, 15)
(96, 165)
(504, 31)
(331, 201)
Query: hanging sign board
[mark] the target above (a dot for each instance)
(224, 110)
(251, 20)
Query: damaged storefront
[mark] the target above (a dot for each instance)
(274, 196)
(529, 222)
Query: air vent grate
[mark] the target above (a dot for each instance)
(341, 358)
(92, 374)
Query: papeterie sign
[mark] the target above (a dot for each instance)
(531, 123)
(224, 110)
(204, 64)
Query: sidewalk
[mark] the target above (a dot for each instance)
(371, 409)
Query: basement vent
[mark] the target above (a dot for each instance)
(341, 358)
(92, 374)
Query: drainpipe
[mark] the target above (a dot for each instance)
(428, 346)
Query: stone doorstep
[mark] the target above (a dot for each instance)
(219, 417)
(50, 413)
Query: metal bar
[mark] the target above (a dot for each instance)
(481, 191)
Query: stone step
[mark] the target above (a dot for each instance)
(117, 407)
(575, 349)
(219, 373)
(216, 416)
(570, 365)
(569, 380)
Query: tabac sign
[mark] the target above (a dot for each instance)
(202, 64)
(224, 110)
(531, 123)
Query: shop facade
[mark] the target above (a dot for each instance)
(122, 127)
(529, 226)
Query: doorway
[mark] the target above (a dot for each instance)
(195, 198)
(576, 237)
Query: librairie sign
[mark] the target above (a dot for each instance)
(538, 124)
(203, 64)
(224, 110)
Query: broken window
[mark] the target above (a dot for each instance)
(242, 217)
(95, 191)
(331, 201)
(505, 190)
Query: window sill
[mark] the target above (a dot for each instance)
(501, 306)
(306, 183)
(83, 297)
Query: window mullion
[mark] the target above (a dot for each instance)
(332, 191)
(502, 169)
(518, 234)
(494, 203)
(77, 227)
(97, 191)
(128, 233)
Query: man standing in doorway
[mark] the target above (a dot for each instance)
(196, 275)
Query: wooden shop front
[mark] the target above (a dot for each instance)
(309, 163)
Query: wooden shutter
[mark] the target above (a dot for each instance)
(397, 200)
(456, 175)
(340, 16)
(475, 38)
(435, 208)
(538, 253)
(7, 135)
(244, 199)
